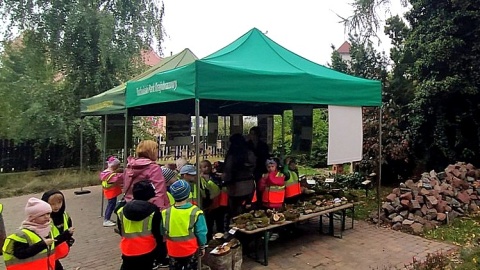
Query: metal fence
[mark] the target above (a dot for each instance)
(24, 156)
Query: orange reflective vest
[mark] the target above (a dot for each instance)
(137, 237)
(179, 226)
(62, 250)
(292, 186)
(44, 260)
(223, 197)
(110, 190)
(273, 194)
(254, 198)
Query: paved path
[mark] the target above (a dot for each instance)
(364, 247)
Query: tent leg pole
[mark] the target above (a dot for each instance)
(81, 191)
(379, 185)
(197, 157)
(125, 138)
(204, 134)
(283, 136)
(224, 136)
(197, 145)
(104, 156)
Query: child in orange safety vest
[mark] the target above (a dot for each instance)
(185, 229)
(61, 222)
(293, 188)
(272, 186)
(33, 245)
(112, 187)
(214, 213)
(139, 225)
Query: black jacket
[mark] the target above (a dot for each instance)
(57, 217)
(24, 250)
(139, 210)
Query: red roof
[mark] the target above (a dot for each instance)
(345, 48)
(150, 57)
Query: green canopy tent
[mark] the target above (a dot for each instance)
(251, 75)
(113, 101)
(251, 70)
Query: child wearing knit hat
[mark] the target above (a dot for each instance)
(183, 249)
(112, 182)
(139, 225)
(34, 237)
(62, 228)
(170, 178)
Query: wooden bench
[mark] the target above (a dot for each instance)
(330, 212)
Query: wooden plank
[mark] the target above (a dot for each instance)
(269, 227)
(326, 211)
(301, 218)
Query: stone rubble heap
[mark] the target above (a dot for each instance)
(435, 199)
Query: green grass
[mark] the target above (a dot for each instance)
(311, 171)
(15, 184)
(463, 232)
(368, 204)
(470, 259)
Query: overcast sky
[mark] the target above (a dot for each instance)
(306, 27)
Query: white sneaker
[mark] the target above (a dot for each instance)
(109, 223)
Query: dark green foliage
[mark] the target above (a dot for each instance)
(366, 62)
(349, 181)
(318, 156)
(445, 43)
(68, 50)
(338, 63)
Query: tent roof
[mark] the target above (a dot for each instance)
(252, 69)
(113, 101)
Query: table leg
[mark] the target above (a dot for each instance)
(331, 224)
(353, 214)
(265, 248)
(320, 224)
(344, 217)
(257, 247)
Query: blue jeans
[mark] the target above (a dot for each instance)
(110, 207)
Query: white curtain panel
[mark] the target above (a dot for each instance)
(345, 134)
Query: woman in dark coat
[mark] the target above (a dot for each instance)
(238, 174)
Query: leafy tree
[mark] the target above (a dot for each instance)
(442, 47)
(366, 62)
(400, 84)
(337, 62)
(31, 97)
(445, 43)
(93, 43)
(366, 19)
(35, 107)
(277, 133)
(80, 48)
(318, 156)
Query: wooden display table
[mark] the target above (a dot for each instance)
(341, 209)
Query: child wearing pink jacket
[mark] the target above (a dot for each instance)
(112, 187)
(272, 186)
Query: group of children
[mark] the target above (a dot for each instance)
(184, 225)
(279, 186)
(45, 236)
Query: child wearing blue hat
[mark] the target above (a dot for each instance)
(185, 229)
